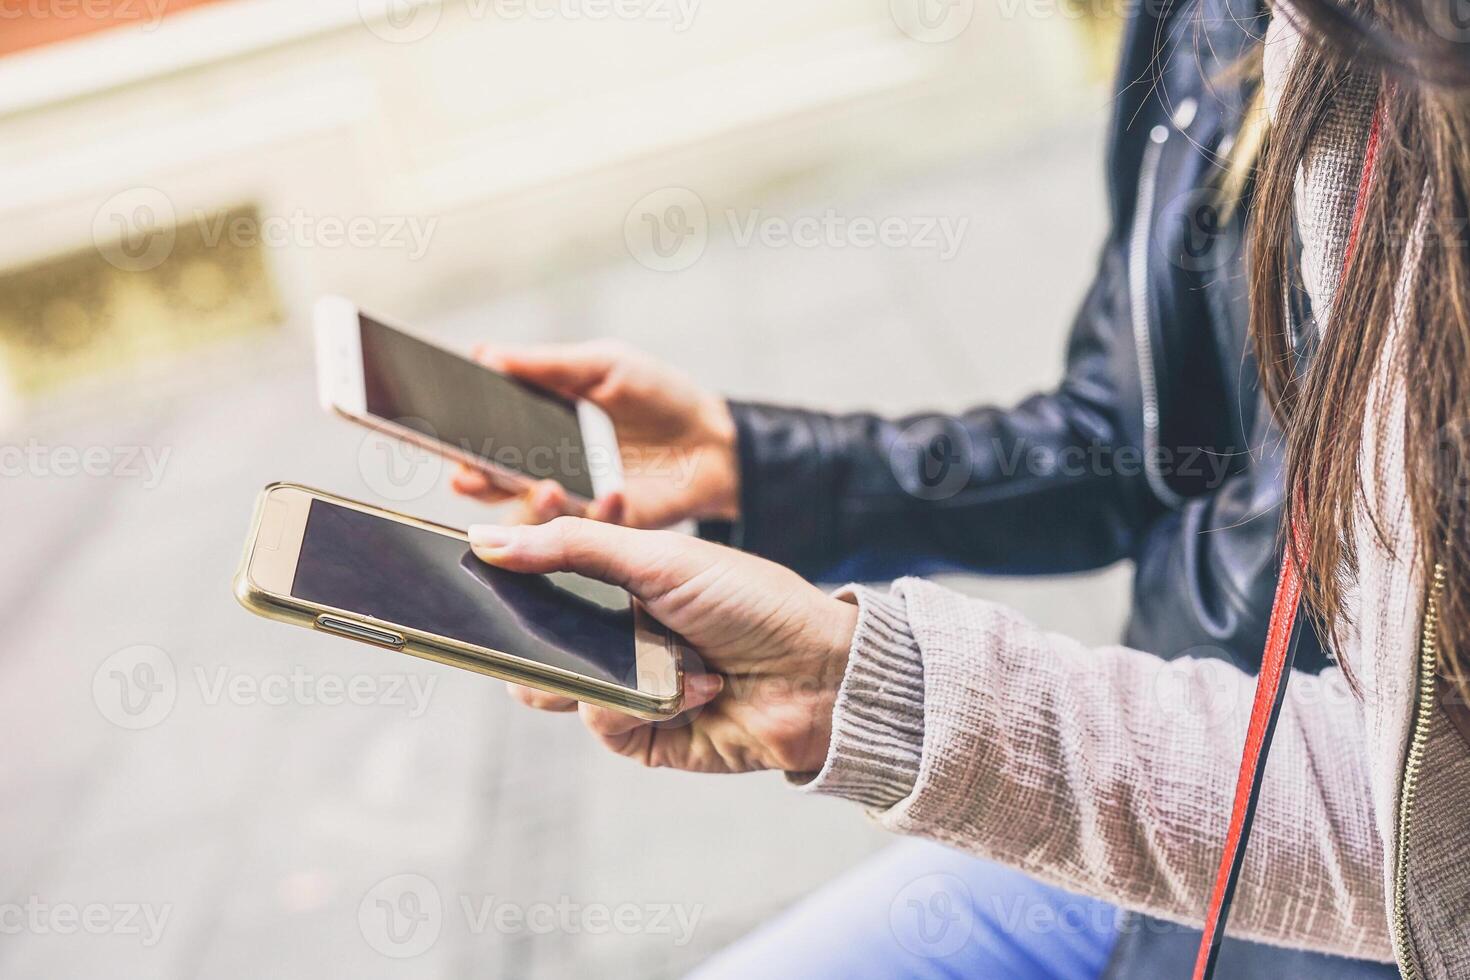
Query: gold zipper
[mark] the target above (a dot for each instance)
(1423, 713)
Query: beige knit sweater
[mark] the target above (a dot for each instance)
(1110, 772)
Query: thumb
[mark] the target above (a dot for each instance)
(646, 563)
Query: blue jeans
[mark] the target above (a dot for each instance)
(922, 910)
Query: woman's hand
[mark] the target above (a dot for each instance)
(677, 440)
(774, 646)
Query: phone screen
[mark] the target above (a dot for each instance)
(454, 400)
(411, 577)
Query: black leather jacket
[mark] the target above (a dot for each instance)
(1155, 447)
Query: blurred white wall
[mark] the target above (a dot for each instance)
(421, 155)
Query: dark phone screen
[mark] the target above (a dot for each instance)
(423, 580)
(480, 411)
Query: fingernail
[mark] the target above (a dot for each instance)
(704, 686)
(489, 536)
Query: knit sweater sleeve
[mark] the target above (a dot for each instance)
(1106, 771)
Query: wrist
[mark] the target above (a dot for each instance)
(876, 743)
(826, 668)
(842, 625)
(719, 442)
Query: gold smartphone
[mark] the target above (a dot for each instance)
(357, 571)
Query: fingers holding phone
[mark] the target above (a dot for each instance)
(774, 647)
(511, 437)
(540, 700)
(676, 442)
(540, 502)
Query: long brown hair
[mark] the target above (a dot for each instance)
(1408, 279)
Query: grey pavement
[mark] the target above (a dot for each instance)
(265, 833)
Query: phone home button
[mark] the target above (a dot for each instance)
(359, 631)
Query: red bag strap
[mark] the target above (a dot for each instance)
(1281, 640)
(1270, 687)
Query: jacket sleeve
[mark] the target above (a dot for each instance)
(1106, 771)
(1049, 485)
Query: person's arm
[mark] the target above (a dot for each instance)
(1105, 770)
(1035, 488)
(1052, 484)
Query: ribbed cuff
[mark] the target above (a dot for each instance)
(878, 721)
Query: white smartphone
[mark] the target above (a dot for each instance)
(382, 376)
(321, 561)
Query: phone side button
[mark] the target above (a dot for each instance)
(358, 631)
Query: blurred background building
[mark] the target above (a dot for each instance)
(884, 204)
